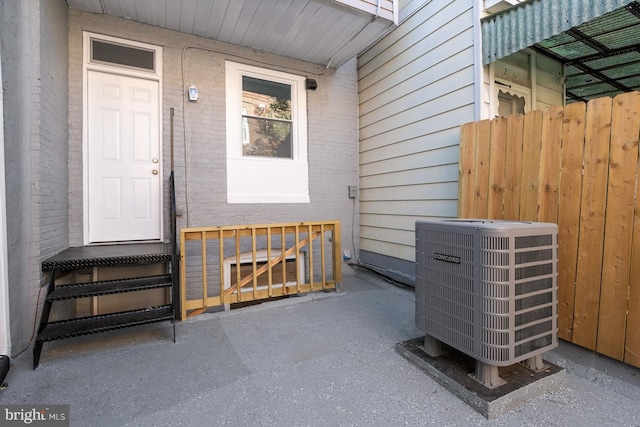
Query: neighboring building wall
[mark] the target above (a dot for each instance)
(200, 158)
(549, 82)
(542, 76)
(18, 75)
(34, 82)
(416, 87)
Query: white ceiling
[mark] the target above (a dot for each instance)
(319, 31)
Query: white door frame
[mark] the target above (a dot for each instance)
(155, 75)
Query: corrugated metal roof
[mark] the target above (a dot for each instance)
(531, 22)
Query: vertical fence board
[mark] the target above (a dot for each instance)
(496, 168)
(623, 159)
(530, 166)
(632, 342)
(569, 213)
(590, 244)
(467, 172)
(481, 187)
(550, 161)
(513, 166)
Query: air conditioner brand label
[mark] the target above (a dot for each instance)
(447, 258)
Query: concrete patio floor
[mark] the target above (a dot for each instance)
(315, 360)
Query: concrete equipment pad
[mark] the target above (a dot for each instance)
(453, 370)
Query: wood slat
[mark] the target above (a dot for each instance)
(467, 170)
(310, 256)
(513, 166)
(254, 263)
(481, 184)
(623, 159)
(270, 270)
(632, 342)
(283, 245)
(530, 166)
(592, 211)
(323, 264)
(183, 278)
(195, 233)
(496, 168)
(336, 238)
(238, 270)
(203, 253)
(220, 259)
(573, 133)
(296, 249)
(550, 161)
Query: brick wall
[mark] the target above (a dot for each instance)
(53, 136)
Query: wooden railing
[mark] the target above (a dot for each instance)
(261, 260)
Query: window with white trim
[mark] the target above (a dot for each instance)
(266, 136)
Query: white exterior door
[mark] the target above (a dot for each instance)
(123, 159)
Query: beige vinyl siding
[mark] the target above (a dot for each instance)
(549, 82)
(408, 8)
(416, 87)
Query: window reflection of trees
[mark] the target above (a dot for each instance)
(266, 118)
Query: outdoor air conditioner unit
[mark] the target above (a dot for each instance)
(488, 288)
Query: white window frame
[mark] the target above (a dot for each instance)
(254, 179)
(512, 89)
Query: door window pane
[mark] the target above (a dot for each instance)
(128, 56)
(509, 103)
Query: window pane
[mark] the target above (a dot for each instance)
(263, 98)
(123, 55)
(510, 104)
(266, 118)
(266, 137)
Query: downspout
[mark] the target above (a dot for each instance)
(478, 68)
(5, 331)
(373, 18)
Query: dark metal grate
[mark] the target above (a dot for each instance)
(106, 322)
(108, 287)
(108, 256)
(600, 56)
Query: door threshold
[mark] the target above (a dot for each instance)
(128, 242)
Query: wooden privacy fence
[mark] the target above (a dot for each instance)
(577, 167)
(232, 264)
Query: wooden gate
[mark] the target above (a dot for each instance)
(577, 167)
(234, 264)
